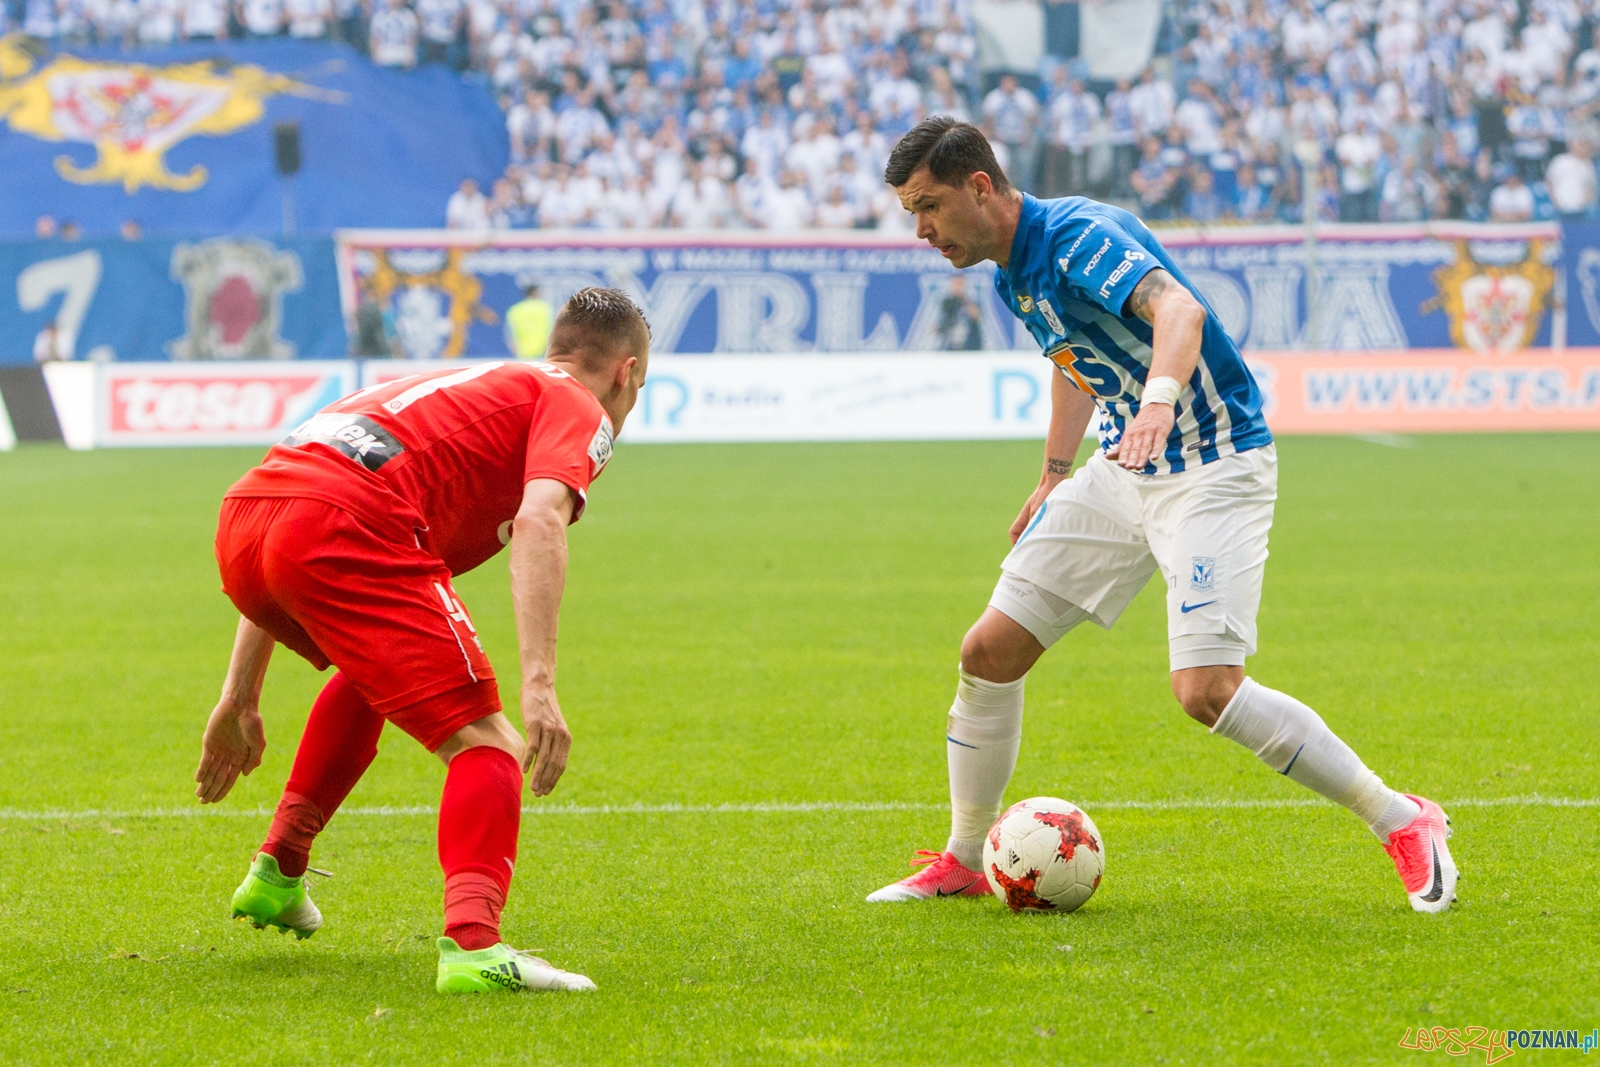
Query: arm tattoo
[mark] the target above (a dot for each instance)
(1151, 288)
(1062, 467)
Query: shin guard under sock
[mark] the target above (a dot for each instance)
(339, 743)
(981, 742)
(1294, 741)
(479, 817)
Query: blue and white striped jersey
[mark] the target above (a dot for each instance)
(1073, 264)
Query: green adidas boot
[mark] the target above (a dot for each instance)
(499, 967)
(268, 898)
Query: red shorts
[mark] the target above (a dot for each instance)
(378, 607)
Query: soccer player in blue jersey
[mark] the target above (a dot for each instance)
(1183, 483)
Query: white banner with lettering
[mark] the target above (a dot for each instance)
(898, 397)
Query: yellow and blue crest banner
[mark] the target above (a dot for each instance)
(180, 139)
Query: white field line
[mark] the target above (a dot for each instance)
(773, 808)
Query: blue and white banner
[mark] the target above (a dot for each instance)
(1356, 289)
(444, 294)
(1380, 288)
(222, 298)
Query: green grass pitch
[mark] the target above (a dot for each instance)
(779, 624)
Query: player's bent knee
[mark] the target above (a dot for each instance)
(1205, 691)
(491, 731)
(998, 649)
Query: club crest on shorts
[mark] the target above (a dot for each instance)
(1203, 578)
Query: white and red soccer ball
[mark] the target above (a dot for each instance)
(1044, 854)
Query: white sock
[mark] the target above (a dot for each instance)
(1294, 741)
(984, 734)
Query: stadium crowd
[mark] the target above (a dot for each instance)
(779, 114)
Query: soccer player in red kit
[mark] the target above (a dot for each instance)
(342, 544)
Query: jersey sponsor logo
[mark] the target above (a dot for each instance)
(1129, 258)
(355, 437)
(1050, 317)
(1094, 260)
(1084, 370)
(600, 446)
(1203, 575)
(1025, 302)
(1066, 260)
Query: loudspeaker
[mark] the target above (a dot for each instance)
(286, 146)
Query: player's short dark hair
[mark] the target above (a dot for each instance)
(952, 151)
(594, 323)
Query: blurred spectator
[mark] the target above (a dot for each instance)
(376, 335)
(608, 105)
(1153, 181)
(69, 230)
(1123, 136)
(1512, 200)
(700, 202)
(440, 22)
(835, 212)
(1153, 103)
(45, 227)
(1358, 152)
(131, 230)
(1013, 113)
(960, 319)
(1203, 204)
(528, 325)
(1255, 201)
(789, 208)
(308, 19)
(261, 18)
(1480, 187)
(1073, 113)
(158, 22)
(394, 32)
(468, 209)
(52, 344)
(1572, 181)
(1199, 116)
(204, 20)
(1408, 193)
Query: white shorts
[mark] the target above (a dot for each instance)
(1102, 533)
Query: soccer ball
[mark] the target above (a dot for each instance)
(1044, 854)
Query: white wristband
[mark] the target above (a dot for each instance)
(1161, 391)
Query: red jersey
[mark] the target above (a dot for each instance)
(444, 454)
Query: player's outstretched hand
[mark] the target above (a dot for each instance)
(1145, 438)
(1025, 516)
(549, 740)
(233, 743)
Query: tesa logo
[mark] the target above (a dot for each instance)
(205, 405)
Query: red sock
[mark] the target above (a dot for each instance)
(338, 746)
(478, 821)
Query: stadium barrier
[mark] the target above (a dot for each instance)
(859, 397)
